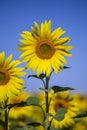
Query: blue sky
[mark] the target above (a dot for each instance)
(71, 15)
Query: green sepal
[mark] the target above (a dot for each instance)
(41, 76)
(65, 67)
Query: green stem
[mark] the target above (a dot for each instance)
(46, 93)
(50, 124)
(47, 103)
(6, 116)
(6, 119)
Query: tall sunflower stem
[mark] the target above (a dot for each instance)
(6, 116)
(47, 104)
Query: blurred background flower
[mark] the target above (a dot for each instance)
(81, 100)
(63, 100)
(19, 112)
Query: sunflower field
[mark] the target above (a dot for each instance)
(52, 107)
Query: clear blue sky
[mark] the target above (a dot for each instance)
(71, 15)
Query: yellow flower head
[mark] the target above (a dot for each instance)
(17, 112)
(63, 100)
(44, 49)
(80, 125)
(81, 99)
(10, 81)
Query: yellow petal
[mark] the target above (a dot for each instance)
(64, 53)
(57, 33)
(13, 64)
(60, 57)
(62, 41)
(2, 58)
(7, 61)
(37, 26)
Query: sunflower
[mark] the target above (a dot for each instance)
(63, 100)
(44, 49)
(10, 81)
(19, 112)
(81, 124)
(81, 99)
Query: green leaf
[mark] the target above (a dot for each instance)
(35, 124)
(41, 76)
(59, 88)
(32, 101)
(60, 114)
(83, 114)
(20, 104)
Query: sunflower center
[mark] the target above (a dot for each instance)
(45, 50)
(60, 104)
(4, 76)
